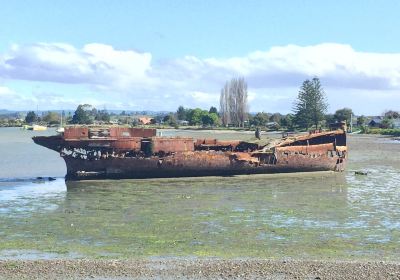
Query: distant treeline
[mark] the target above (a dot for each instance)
(310, 111)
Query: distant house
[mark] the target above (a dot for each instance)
(145, 120)
(272, 125)
(183, 122)
(375, 122)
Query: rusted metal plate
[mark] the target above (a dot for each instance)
(233, 143)
(206, 142)
(127, 144)
(244, 157)
(143, 132)
(173, 145)
(120, 132)
(322, 148)
(310, 137)
(214, 144)
(76, 133)
(83, 143)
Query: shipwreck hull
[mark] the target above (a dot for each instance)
(134, 169)
(143, 155)
(204, 163)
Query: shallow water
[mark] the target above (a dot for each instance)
(21, 158)
(313, 216)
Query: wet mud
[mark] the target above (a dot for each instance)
(325, 216)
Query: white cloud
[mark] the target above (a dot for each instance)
(338, 65)
(273, 75)
(204, 98)
(9, 99)
(5, 91)
(94, 64)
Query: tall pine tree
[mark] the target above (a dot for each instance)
(311, 104)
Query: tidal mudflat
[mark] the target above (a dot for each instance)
(324, 216)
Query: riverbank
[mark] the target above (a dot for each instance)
(197, 269)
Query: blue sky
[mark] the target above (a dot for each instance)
(157, 55)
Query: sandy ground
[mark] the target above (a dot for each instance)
(197, 269)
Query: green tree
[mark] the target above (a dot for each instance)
(170, 120)
(209, 118)
(159, 118)
(181, 113)
(194, 116)
(343, 115)
(387, 123)
(213, 110)
(391, 114)
(51, 118)
(81, 115)
(276, 117)
(361, 120)
(329, 119)
(311, 104)
(93, 112)
(215, 119)
(102, 115)
(287, 121)
(260, 119)
(30, 117)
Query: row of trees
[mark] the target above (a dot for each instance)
(86, 114)
(198, 116)
(309, 110)
(275, 120)
(50, 118)
(233, 105)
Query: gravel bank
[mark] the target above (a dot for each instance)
(196, 269)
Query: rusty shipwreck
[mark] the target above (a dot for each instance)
(122, 152)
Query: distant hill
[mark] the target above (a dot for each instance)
(67, 111)
(7, 112)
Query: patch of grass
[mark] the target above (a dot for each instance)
(385, 131)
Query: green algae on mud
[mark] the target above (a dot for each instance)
(267, 217)
(307, 216)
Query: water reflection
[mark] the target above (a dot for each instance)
(30, 195)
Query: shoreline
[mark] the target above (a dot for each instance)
(197, 269)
